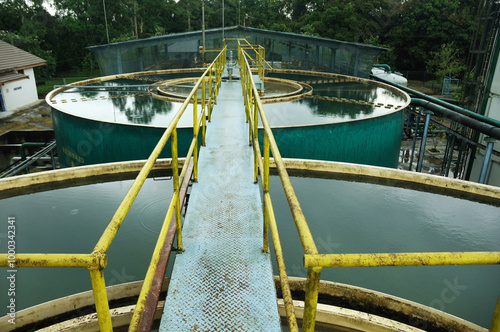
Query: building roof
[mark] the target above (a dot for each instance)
(11, 76)
(13, 58)
(182, 50)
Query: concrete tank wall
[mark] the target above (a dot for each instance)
(83, 141)
(373, 141)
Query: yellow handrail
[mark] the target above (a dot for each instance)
(174, 206)
(313, 261)
(402, 259)
(96, 261)
(253, 106)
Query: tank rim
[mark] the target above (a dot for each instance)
(75, 176)
(342, 78)
(339, 305)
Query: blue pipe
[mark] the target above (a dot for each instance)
(486, 161)
(424, 141)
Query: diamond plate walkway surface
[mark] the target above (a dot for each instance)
(223, 281)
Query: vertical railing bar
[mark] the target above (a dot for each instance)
(203, 106)
(249, 87)
(196, 129)
(175, 177)
(311, 299)
(414, 145)
(265, 183)
(495, 321)
(256, 141)
(280, 261)
(250, 125)
(101, 299)
(424, 140)
(210, 95)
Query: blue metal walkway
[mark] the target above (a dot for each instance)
(223, 281)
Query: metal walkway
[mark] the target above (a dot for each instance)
(223, 281)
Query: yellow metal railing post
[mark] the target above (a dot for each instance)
(210, 104)
(175, 177)
(250, 97)
(216, 77)
(311, 299)
(246, 100)
(285, 287)
(256, 139)
(265, 184)
(250, 123)
(495, 321)
(262, 59)
(101, 300)
(203, 106)
(196, 129)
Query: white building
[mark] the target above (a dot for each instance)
(17, 78)
(490, 109)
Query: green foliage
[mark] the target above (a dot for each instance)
(424, 25)
(412, 30)
(446, 62)
(280, 27)
(309, 30)
(32, 44)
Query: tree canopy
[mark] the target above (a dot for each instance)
(415, 32)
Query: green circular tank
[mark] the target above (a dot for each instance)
(335, 117)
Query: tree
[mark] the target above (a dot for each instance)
(446, 62)
(32, 45)
(29, 28)
(422, 26)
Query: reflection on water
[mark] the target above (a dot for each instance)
(127, 101)
(123, 101)
(71, 220)
(350, 217)
(140, 109)
(344, 217)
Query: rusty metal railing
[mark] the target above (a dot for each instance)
(96, 261)
(313, 261)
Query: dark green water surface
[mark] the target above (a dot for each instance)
(344, 217)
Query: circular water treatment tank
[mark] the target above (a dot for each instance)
(313, 116)
(349, 209)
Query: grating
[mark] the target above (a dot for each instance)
(223, 280)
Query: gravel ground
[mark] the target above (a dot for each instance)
(35, 117)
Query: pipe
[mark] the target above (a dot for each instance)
(424, 140)
(386, 67)
(23, 154)
(25, 144)
(478, 125)
(486, 161)
(441, 103)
